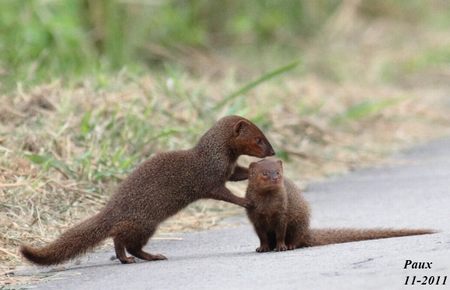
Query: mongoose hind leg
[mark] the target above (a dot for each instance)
(120, 252)
(297, 237)
(137, 241)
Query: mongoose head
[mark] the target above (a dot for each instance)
(249, 140)
(266, 173)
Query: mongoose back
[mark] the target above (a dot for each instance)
(160, 187)
(281, 216)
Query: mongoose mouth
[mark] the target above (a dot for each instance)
(272, 183)
(270, 151)
(266, 153)
(276, 181)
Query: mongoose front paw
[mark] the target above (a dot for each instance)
(281, 247)
(291, 247)
(248, 204)
(263, 248)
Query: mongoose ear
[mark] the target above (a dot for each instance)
(280, 163)
(237, 129)
(251, 169)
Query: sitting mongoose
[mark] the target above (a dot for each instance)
(280, 215)
(160, 187)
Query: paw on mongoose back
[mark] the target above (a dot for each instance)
(159, 188)
(280, 215)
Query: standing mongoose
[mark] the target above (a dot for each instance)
(159, 188)
(280, 215)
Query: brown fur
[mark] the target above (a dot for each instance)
(159, 188)
(281, 215)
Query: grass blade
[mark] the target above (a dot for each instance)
(268, 76)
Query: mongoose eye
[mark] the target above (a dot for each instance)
(258, 141)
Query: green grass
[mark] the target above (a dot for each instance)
(41, 40)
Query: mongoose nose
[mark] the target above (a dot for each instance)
(274, 177)
(270, 152)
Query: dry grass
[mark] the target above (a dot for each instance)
(64, 149)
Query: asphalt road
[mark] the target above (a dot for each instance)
(413, 192)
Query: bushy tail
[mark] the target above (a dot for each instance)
(336, 236)
(72, 243)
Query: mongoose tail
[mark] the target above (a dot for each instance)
(74, 242)
(335, 236)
